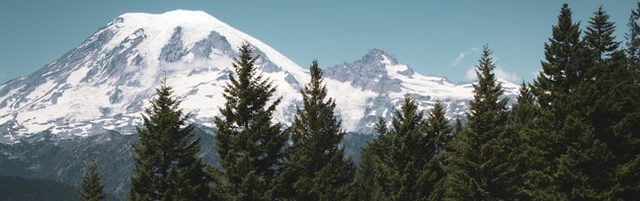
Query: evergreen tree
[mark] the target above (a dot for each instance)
(165, 162)
(599, 38)
(525, 109)
(531, 180)
(319, 169)
(402, 159)
(559, 73)
(249, 144)
(399, 166)
(633, 36)
(366, 178)
(438, 127)
(602, 101)
(627, 129)
(562, 72)
(477, 161)
(91, 185)
(438, 133)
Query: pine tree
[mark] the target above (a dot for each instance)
(438, 133)
(627, 129)
(559, 73)
(165, 162)
(366, 186)
(599, 38)
(563, 71)
(586, 169)
(318, 165)
(405, 156)
(477, 160)
(633, 36)
(91, 185)
(249, 144)
(438, 127)
(404, 159)
(527, 158)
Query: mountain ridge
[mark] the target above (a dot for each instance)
(105, 83)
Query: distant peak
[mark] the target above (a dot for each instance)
(378, 55)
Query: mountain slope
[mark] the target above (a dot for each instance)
(105, 83)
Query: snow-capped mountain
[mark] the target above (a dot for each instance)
(106, 82)
(381, 73)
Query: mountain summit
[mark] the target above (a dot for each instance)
(105, 83)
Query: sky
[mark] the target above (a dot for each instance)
(440, 38)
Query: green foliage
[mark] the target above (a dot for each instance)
(575, 140)
(530, 179)
(317, 170)
(477, 168)
(24, 189)
(403, 163)
(250, 146)
(366, 186)
(586, 170)
(91, 185)
(559, 69)
(633, 36)
(438, 133)
(599, 39)
(563, 70)
(165, 163)
(406, 154)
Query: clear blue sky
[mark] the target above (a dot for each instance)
(433, 37)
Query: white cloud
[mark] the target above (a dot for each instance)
(458, 59)
(470, 75)
(462, 55)
(505, 75)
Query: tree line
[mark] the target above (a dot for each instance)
(572, 134)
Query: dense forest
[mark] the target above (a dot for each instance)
(572, 134)
(23, 189)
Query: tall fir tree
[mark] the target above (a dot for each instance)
(438, 128)
(599, 38)
(366, 179)
(318, 168)
(627, 129)
(405, 155)
(602, 101)
(476, 163)
(527, 158)
(91, 185)
(431, 176)
(402, 162)
(633, 36)
(166, 166)
(562, 73)
(250, 146)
